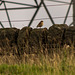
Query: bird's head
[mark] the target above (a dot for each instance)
(41, 21)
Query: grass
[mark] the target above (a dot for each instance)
(36, 70)
(59, 62)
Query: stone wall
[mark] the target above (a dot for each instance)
(28, 40)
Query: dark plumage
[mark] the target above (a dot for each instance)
(40, 24)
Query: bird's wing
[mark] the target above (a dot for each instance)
(38, 24)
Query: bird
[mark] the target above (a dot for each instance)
(40, 24)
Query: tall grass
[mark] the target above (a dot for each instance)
(60, 61)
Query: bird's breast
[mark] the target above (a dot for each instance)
(42, 23)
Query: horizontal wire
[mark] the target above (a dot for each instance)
(17, 3)
(18, 8)
(58, 1)
(33, 5)
(37, 19)
(58, 5)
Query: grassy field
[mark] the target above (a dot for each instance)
(57, 63)
(36, 70)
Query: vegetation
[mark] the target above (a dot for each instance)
(56, 63)
(37, 51)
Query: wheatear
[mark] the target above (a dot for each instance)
(40, 24)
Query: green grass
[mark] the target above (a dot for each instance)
(44, 69)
